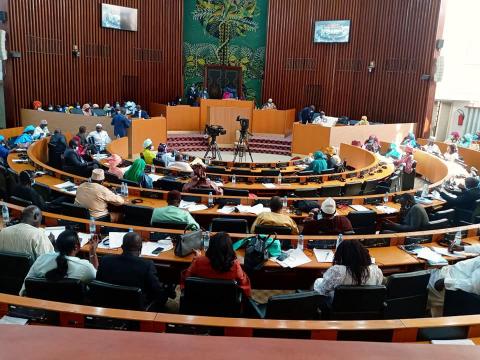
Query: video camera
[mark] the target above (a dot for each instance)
(244, 124)
(215, 130)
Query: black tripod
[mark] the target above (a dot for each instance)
(242, 147)
(213, 148)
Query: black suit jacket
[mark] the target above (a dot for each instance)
(465, 200)
(128, 270)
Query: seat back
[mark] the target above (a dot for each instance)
(298, 306)
(66, 290)
(215, 170)
(158, 162)
(358, 302)
(408, 180)
(99, 112)
(270, 229)
(169, 225)
(235, 192)
(459, 302)
(352, 189)
(306, 193)
(130, 182)
(363, 222)
(407, 295)
(43, 190)
(244, 172)
(169, 185)
(203, 191)
(270, 172)
(330, 191)
(231, 225)
(19, 201)
(138, 215)
(112, 178)
(438, 224)
(369, 187)
(14, 268)
(76, 111)
(75, 211)
(448, 214)
(211, 297)
(115, 296)
(328, 171)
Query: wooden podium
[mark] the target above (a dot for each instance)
(278, 122)
(154, 128)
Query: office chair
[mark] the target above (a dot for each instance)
(169, 185)
(215, 170)
(352, 189)
(115, 296)
(444, 214)
(297, 306)
(19, 201)
(77, 211)
(99, 112)
(270, 229)
(138, 215)
(202, 191)
(235, 192)
(111, 178)
(468, 215)
(76, 111)
(358, 302)
(407, 295)
(306, 193)
(363, 222)
(242, 172)
(158, 162)
(459, 302)
(330, 191)
(230, 225)
(169, 225)
(369, 187)
(70, 291)
(14, 268)
(437, 224)
(211, 297)
(270, 172)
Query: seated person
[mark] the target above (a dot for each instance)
(163, 155)
(413, 216)
(56, 148)
(136, 173)
(431, 147)
(113, 161)
(406, 160)
(82, 134)
(180, 165)
(318, 164)
(200, 181)
(37, 105)
(87, 110)
(99, 137)
(466, 141)
(96, 197)
(409, 140)
(148, 153)
(24, 140)
(172, 213)
(269, 105)
(320, 119)
(74, 163)
(24, 190)
(454, 137)
(81, 150)
(275, 217)
(372, 144)
(26, 237)
(219, 262)
(120, 124)
(352, 265)
(452, 153)
(129, 269)
(306, 115)
(393, 152)
(356, 143)
(140, 113)
(333, 160)
(4, 150)
(41, 130)
(326, 222)
(467, 198)
(64, 263)
(363, 121)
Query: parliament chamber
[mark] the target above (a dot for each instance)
(266, 173)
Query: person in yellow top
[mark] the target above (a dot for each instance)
(363, 121)
(275, 218)
(148, 153)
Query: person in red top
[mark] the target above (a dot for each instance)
(219, 262)
(328, 223)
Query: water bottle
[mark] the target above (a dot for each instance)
(339, 241)
(92, 226)
(205, 240)
(234, 179)
(458, 238)
(5, 214)
(385, 198)
(279, 179)
(284, 202)
(126, 190)
(130, 230)
(300, 242)
(210, 200)
(425, 191)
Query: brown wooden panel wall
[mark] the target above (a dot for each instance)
(399, 35)
(114, 65)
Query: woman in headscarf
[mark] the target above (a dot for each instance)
(37, 105)
(476, 137)
(406, 160)
(357, 143)
(409, 140)
(466, 141)
(363, 121)
(81, 149)
(333, 160)
(452, 153)
(24, 140)
(164, 156)
(371, 144)
(393, 152)
(319, 163)
(454, 137)
(200, 181)
(136, 173)
(86, 110)
(113, 161)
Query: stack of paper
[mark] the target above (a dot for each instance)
(100, 156)
(359, 208)
(453, 342)
(296, 257)
(57, 230)
(218, 183)
(257, 209)
(192, 206)
(68, 186)
(226, 210)
(10, 320)
(323, 256)
(113, 241)
(149, 247)
(432, 257)
(445, 252)
(155, 177)
(386, 209)
(269, 185)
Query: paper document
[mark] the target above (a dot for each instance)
(10, 320)
(218, 183)
(432, 257)
(445, 252)
(359, 208)
(323, 256)
(54, 230)
(186, 204)
(386, 209)
(257, 209)
(155, 177)
(114, 241)
(65, 185)
(20, 161)
(453, 342)
(197, 207)
(269, 186)
(296, 257)
(149, 247)
(226, 210)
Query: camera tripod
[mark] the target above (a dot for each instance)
(213, 148)
(242, 147)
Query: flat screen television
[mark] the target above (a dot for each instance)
(119, 17)
(332, 31)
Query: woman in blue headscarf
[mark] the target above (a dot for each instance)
(393, 152)
(410, 140)
(26, 138)
(319, 163)
(466, 141)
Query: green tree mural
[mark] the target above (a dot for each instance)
(228, 32)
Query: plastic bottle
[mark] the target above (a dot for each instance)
(126, 189)
(385, 198)
(279, 179)
(234, 179)
(205, 240)
(92, 226)
(5, 214)
(210, 200)
(458, 238)
(425, 191)
(300, 242)
(339, 240)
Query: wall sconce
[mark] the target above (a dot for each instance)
(371, 66)
(75, 51)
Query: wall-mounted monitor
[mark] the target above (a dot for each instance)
(119, 17)
(333, 31)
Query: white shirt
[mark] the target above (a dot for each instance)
(40, 133)
(432, 149)
(451, 157)
(25, 239)
(180, 166)
(319, 120)
(78, 269)
(101, 138)
(338, 275)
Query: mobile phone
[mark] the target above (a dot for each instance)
(157, 251)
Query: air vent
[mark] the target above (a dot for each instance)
(354, 65)
(400, 65)
(300, 64)
(98, 51)
(149, 55)
(40, 45)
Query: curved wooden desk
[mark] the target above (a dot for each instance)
(471, 157)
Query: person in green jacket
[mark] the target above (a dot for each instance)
(136, 173)
(319, 163)
(172, 214)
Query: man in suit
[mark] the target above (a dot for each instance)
(140, 113)
(306, 115)
(466, 199)
(129, 269)
(74, 163)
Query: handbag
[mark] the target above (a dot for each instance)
(188, 242)
(256, 252)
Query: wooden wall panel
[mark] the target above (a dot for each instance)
(108, 69)
(399, 35)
